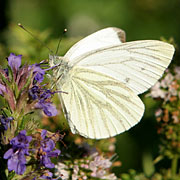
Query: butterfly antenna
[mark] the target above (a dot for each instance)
(60, 39)
(43, 44)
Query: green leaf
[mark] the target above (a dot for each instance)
(10, 75)
(11, 175)
(148, 165)
(16, 91)
(6, 112)
(4, 79)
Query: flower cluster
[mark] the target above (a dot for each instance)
(16, 154)
(20, 87)
(92, 167)
(167, 88)
(168, 116)
(46, 150)
(39, 149)
(42, 96)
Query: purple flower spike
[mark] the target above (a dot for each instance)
(16, 155)
(14, 61)
(46, 151)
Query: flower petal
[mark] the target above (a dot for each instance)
(43, 133)
(49, 109)
(8, 154)
(14, 61)
(2, 89)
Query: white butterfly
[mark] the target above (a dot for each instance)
(103, 76)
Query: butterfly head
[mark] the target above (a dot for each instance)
(60, 69)
(55, 60)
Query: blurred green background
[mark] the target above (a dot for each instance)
(141, 19)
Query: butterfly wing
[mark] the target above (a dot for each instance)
(98, 106)
(104, 79)
(100, 39)
(137, 64)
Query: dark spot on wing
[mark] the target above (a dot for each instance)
(127, 80)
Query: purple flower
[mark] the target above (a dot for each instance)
(34, 92)
(46, 151)
(48, 108)
(14, 61)
(5, 122)
(47, 175)
(39, 73)
(2, 89)
(16, 155)
(43, 96)
(46, 94)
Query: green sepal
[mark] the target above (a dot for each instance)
(16, 91)
(10, 73)
(6, 112)
(11, 175)
(28, 82)
(5, 80)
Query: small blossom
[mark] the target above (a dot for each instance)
(158, 112)
(46, 151)
(43, 96)
(2, 89)
(48, 108)
(47, 175)
(94, 167)
(60, 171)
(34, 92)
(14, 61)
(167, 80)
(156, 91)
(5, 122)
(16, 155)
(38, 72)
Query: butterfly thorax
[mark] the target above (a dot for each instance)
(61, 68)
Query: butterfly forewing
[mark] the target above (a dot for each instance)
(100, 39)
(138, 64)
(100, 106)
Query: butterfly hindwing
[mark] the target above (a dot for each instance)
(98, 105)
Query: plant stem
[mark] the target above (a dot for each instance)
(174, 165)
